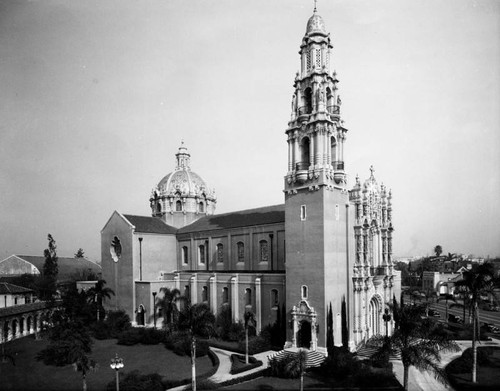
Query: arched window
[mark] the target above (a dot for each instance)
(201, 253)
(274, 299)
(115, 249)
(248, 297)
(264, 251)
(225, 295)
(185, 255)
(204, 294)
(241, 251)
(333, 147)
(304, 154)
(220, 253)
(308, 100)
(304, 292)
(201, 207)
(178, 206)
(187, 292)
(329, 99)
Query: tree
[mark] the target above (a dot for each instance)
(329, 331)
(297, 366)
(98, 294)
(249, 321)
(80, 253)
(476, 282)
(168, 306)
(198, 320)
(438, 250)
(82, 363)
(46, 286)
(420, 341)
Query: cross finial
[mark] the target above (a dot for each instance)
(315, 1)
(372, 170)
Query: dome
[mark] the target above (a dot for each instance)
(183, 182)
(315, 24)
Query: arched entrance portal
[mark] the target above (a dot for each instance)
(304, 335)
(374, 311)
(304, 326)
(140, 315)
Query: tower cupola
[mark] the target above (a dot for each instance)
(315, 132)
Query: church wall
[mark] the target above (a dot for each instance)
(119, 276)
(158, 255)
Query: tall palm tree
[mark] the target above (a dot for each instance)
(476, 282)
(418, 339)
(168, 305)
(198, 320)
(98, 294)
(297, 366)
(84, 364)
(249, 321)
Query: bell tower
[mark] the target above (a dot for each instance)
(318, 216)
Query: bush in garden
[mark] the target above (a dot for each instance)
(130, 337)
(136, 381)
(117, 322)
(152, 336)
(100, 330)
(255, 345)
(180, 344)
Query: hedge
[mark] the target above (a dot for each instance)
(238, 364)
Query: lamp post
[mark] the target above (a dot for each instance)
(154, 309)
(117, 364)
(387, 318)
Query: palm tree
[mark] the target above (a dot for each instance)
(168, 305)
(297, 366)
(474, 283)
(198, 320)
(419, 340)
(98, 294)
(249, 321)
(84, 364)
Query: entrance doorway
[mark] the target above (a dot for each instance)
(140, 315)
(304, 337)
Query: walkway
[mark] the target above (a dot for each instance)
(223, 374)
(425, 381)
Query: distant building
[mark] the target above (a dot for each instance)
(11, 295)
(30, 264)
(439, 283)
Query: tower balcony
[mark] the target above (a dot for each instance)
(338, 166)
(301, 169)
(333, 109)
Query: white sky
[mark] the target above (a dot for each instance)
(96, 95)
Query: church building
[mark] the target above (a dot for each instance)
(327, 247)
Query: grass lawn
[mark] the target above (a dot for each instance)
(488, 375)
(29, 374)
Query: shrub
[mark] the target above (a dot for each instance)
(340, 364)
(135, 381)
(130, 337)
(117, 321)
(152, 336)
(180, 344)
(238, 364)
(100, 330)
(56, 353)
(255, 345)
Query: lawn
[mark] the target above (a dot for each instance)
(488, 370)
(29, 374)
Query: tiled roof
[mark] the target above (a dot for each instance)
(66, 266)
(146, 224)
(24, 308)
(7, 288)
(243, 218)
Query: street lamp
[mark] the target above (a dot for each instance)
(154, 309)
(117, 364)
(387, 318)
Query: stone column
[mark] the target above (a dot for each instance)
(25, 325)
(235, 299)
(314, 334)
(295, 327)
(193, 281)
(290, 154)
(296, 154)
(213, 293)
(311, 151)
(258, 303)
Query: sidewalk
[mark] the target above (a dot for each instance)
(223, 374)
(425, 381)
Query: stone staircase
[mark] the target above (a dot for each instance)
(314, 359)
(364, 352)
